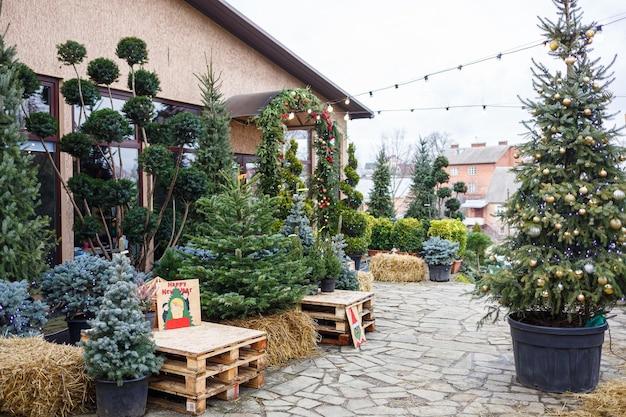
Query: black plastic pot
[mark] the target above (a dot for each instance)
(439, 273)
(327, 285)
(557, 359)
(150, 317)
(357, 261)
(75, 326)
(127, 400)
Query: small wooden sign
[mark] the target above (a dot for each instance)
(356, 329)
(178, 304)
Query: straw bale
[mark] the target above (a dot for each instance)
(608, 400)
(398, 268)
(42, 379)
(366, 280)
(290, 335)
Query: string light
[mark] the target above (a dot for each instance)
(448, 108)
(291, 116)
(346, 116)
(347, 101)
(616, 18)
(329, 109)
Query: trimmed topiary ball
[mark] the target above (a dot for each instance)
(103, 71)
(159, 134)
(119, 192)
(90, 91)
(28, 79)
(140, 110)
(86, 228)
(134, 224)
(132, 50)
(156, 159)
(186, 128)
(107, 125)
(41, 124)
(77, 144)
(71, 52)
(146, 83)
(191, 184)
(82, 186)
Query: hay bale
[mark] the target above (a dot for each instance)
(608, 400)
(290, 335)
(42, 379)
(366, 281)
(390, 267)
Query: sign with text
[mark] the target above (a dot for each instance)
(356, 329)
(178, 304)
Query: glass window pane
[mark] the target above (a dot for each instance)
(36, 102)
(302, 139)
(103, 103)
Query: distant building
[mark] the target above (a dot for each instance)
(486, 170)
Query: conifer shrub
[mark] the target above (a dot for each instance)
(77, 144)
(107, 125)
(146, 83)
(120, 345)
(252, 270)
(103, 71)
(139, 109)
(20, 315)
(298, 223)
(438, 251)
(381, 234)
(407, 235)
(89, 90)
(347, 278)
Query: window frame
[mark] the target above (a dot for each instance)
(454, 171)
(471, 187)
(472, 170)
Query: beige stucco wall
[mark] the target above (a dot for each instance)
(179, 38)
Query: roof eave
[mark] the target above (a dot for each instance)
(250, 33)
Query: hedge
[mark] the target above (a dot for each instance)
(450, 229)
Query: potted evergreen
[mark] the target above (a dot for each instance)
(324, 265)
(439, 254)
(119, 354)
(75, 288)
(566, 258)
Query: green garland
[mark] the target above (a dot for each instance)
(272, 123)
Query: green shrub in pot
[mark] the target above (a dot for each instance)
(439, 255)
(407, 235)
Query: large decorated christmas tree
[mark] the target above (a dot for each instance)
(566, 253)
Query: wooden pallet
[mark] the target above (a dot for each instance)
(206, 361)
(329, 312)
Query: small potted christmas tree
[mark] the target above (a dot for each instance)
(566, 258)
(439, 255)
(119, 353)
(324, 264)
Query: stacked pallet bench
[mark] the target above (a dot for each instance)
(206, 361)
(329, 312)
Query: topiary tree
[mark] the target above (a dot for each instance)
(422, 195)
(380, 202)
(25, 237)
(20, 315)
(290, 171)
(253, 270)
(407, 235)
(381, 234)
(352, 197)
(214, 155)
(120, 345)
(567, 256)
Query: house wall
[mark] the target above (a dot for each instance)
(507, 160)
(180, 41)
(484, 172)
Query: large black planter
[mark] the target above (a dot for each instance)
(127, 400)
(557, 359)
(327, 285)
(439, 273)
(357, 261)
(75, 326)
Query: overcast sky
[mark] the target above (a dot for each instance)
(365, 44)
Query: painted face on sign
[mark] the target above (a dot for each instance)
(177, 307)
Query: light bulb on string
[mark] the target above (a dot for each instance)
(347, 101)
(346, 116)
(291, 116)
(329, 109)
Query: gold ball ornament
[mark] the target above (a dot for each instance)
(537, 156)
(549, 199)
(541, 282)
(578, 273)
(567, 235)
(545, 294)
(532, 263)
(616, 224)
(567, 101)
(559, 273)
(581, 298)
(618, 195)
(603, 281)
(608, 289)
(587, 112)
(576, 232)
(485, 288)
(516, 155)
(586, 79)
(562, 150)
(536, 219)
(554, 45)
(570, 60)
(570, 198)
(583, 190)
(596, 85)
(553, 129)
(582, 211)
(589, 34)
(602, 173)
(557, 96)
(546, 171)
(558, 226)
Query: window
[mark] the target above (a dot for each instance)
(303, 139)
(471, 170)
(454, 171)
(471, 187)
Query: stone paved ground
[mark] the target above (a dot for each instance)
(426, 359)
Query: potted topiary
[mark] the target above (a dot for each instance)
(381, 236)
(119, 354)
(566, 253)
(324, 265)
(356, 232)
(75, 288)
(407, 235)
(333, 269)
(439, 255)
